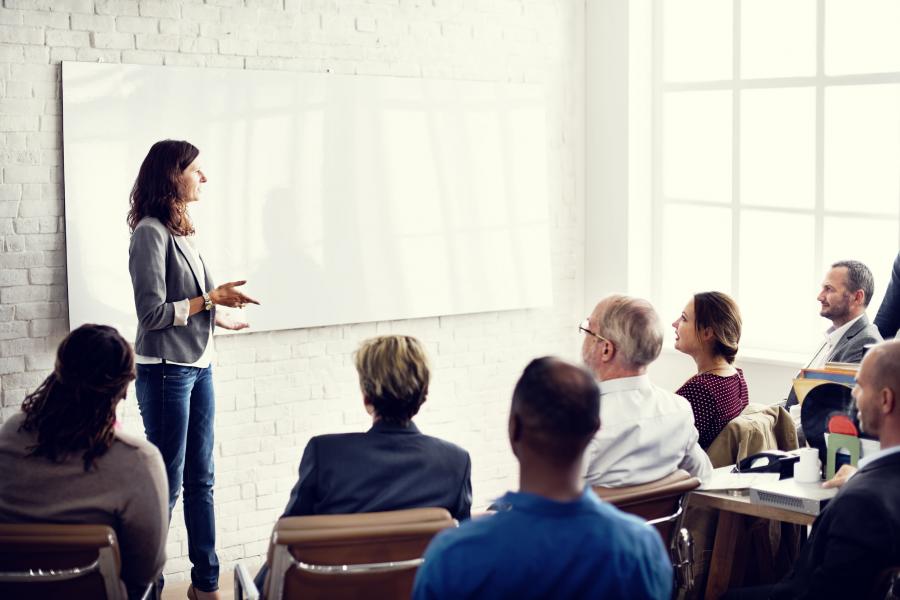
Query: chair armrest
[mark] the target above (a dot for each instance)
(151, 592)
(244, 588)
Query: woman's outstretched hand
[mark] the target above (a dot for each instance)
(227, 295)
(227, 320)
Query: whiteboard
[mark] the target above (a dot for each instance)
(341, 199)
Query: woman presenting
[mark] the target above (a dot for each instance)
(175, 301)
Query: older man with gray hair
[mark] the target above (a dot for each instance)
(647, 432)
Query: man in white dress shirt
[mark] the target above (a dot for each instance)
(846, 291)
(646, 432)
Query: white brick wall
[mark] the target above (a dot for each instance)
(275, 390)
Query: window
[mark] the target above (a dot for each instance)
(775, 151)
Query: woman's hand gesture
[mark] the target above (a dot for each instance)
(227, 295)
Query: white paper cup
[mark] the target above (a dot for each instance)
(809, 468)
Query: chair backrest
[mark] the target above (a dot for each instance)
(658, 502)
(59, 561)
(373, 555)
(757, 428)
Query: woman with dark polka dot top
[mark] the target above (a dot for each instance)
(709, 330)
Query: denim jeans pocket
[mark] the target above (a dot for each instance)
(178, 372)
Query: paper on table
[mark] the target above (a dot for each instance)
(723, 479)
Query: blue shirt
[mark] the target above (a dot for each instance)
(541, 548)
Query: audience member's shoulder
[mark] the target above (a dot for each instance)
(448, 447)
(12, 424)
(134, 446)
(327, 439)
(632, 535)
(470, 534)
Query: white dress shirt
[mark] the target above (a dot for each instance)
(646, 433)
(880, 454)
(833, 335)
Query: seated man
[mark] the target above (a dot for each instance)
(647, 432)
(855, 538)
(557, 540)
(846, 292)
(888, 318)
(393, 465)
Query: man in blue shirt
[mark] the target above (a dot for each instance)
(557, 540)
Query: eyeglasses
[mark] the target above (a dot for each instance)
(585, 327)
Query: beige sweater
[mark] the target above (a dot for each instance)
(125, 489)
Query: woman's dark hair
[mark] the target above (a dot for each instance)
(74, 409)
(720, 313)
(157, 191)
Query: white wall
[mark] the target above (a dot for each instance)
(275, 390)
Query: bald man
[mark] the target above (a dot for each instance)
(857, 536)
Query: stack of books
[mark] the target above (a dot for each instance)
(833, 372)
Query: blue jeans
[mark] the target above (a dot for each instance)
(178, 408)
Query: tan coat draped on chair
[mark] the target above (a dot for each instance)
(757, 428)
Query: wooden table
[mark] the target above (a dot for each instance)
(730, 545)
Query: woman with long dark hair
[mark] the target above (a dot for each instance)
(64, 460)
(709, 330)
(176, 303)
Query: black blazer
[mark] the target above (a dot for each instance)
(855, 538)
(389, 467)
(888, 317)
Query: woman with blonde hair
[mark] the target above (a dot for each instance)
(708, 330)
(393, 465)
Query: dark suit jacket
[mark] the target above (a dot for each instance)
(888, 318)
(855, 538)
(850, 348)
(389, 467)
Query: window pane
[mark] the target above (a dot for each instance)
(862, 148)
(872, 241)
(777, 291)
(778, 38)
(697, 145)
(861, 36)
(778, 147)
(697, 39)
(696, 254)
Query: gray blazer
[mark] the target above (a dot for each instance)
(850, 348)
(161, 274)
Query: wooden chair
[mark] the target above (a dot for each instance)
(372, 555)
(661, 504)
(61, 561)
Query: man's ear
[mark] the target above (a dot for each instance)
(609, 351)
(888, 400)
(515, 428)
(370, 408)
(859, 297)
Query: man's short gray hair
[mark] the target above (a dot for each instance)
(634, 327)
(859, 277)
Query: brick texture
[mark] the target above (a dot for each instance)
(274, 390)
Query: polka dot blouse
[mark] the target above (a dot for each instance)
(715, 400)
